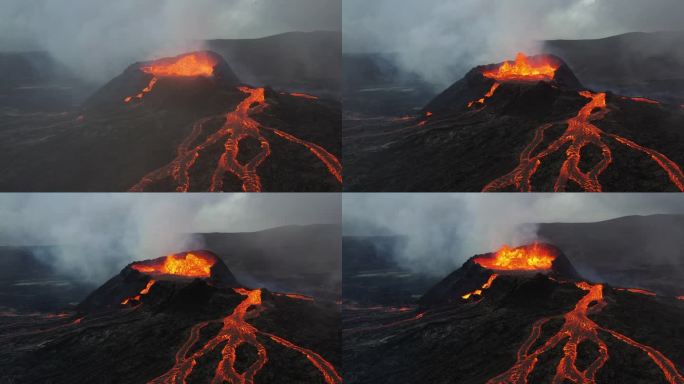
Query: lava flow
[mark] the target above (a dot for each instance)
(487, 95)
(534, 258)
(191, 65)
(580, 133)
(637, 290)
(524, 69)
(235, 332)
(478, 292)
(136, 298)
(238, 125)
(180, 264)
(578, 328)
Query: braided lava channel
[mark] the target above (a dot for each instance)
(578, 328)
(238, 125)
(235, 332)
(580, 132)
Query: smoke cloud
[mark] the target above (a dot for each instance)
(443, 230)
(100, 38)
(442, 39)
(95, 235)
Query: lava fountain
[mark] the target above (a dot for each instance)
(190, 264)
(529, 258)
(524, 69)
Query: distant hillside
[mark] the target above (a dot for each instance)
(293, 61)
(636, 64)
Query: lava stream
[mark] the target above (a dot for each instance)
(235, 332)
(143, 292)
(577, 328)
(478, 292)
(238, 125)
(580, 132)
(487, 95)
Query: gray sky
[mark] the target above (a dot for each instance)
(449, 228)
(122, 226)
(99, 38)
(436, 38)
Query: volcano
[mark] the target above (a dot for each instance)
(180, 318)
(526, 124)
(184, 123)
(519, 315)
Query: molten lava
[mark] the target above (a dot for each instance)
(637, 290)
(143, 292)
(578, 328)
(487, 95)
(524, 69)
(181, 264)
(238, 125)
(304, 96)
(533, 258)
(580, 133)
(478, 292)
(235, 332)
(190, 65)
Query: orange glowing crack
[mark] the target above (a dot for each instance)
(534, 258)
(580, 132)
(487, 95)
(637, 290)
(644, 100)
(523, 70)
(334, 166)
(143, 292)
(235, 332)
(577, 328)
(180, 264)
(238, 125)
(304, 95)
(295, 296)
(478, 292)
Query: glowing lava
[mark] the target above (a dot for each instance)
(487, 95)
(578, 328)
(143, 292)
(524, 69)
(238, 125)
(637, 290)
(478, 292)
(533, 258)
(190, 65)
(180, 264)
(304, 96)
(235, 332)
(580, 133)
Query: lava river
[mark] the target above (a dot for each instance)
(238, 125)
(580, 132)
(578, 328)
(235, 332)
